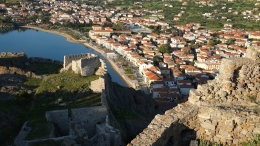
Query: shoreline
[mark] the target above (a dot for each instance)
(83, 42)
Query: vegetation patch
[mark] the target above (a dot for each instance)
(32, 82)
(207, 143)
(132, 77)
(123, 113)
(254, 142)
(45, 68)
(128, 70)
(66, 81)
(12, 118)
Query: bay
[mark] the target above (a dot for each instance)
(36, 43)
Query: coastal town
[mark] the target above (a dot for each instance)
(165, 65)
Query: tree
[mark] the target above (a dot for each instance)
(230, 41)
(165, 48)
(156, 60)
(116, 27)
(214, 42)
(192, 63)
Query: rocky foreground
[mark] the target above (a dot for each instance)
(225, 111)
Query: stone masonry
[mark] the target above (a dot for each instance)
(84, 64)
(225, 110)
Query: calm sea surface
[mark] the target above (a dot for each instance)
(42, 44)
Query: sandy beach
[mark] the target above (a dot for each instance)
(71, 39)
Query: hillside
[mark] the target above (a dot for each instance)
(211, 14)
(27, 92)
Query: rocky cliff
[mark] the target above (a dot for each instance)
(130, 110)
(226, 110)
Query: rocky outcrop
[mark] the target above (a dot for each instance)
(226, 110)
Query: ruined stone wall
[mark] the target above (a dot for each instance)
(84, 64)
(10, 54)
(98, 85)
(44, 60)
(30, 59)
(166, 127)
(225, 110)
(226, 125)
(59, 118)
(15, 70)
(89, 116)
(69, 58)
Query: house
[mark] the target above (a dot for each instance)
(150, 77)
(158, 84)
(201, 78)
(153, 36)
(185, 89)
(254, 35)
(157, 91)
(174, 90)
(169, 82)
(183, 82)
(170, 96)
(162, 40)
(192, 71)
(156, 70)
(109, 54)
(165, 72)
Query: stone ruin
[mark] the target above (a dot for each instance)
(82, 127)
(224, 111)
(10, 54)
(84, 64)
(85, 126)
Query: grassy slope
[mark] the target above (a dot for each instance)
(70, 85)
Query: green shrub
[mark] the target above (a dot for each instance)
(254, 142)
(23, 97)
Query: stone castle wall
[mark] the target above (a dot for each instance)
(59, 118)
(89, 117)
(225, 111)
(84, 64)
(15, 70)
(69, 58)
(44, 60)
(6, 68)
(10, 54)
(30, 59)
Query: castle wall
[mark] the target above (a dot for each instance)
(165, 127)
(84, 64)
(44, 60)
(89, 65)
(98, 85)
(68, 58)
(10, 54)
(60, 118)
(89, 117)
